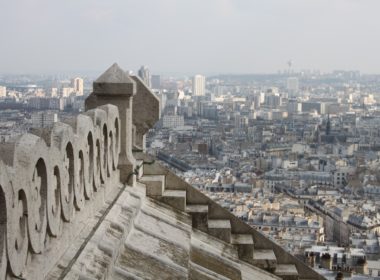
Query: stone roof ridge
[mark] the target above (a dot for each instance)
(114, 75)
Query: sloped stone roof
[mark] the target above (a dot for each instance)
(145, 239)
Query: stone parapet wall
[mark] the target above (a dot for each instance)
(51, 183)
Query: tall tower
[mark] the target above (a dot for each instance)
(77, 84)
(328, 125)
(199, 85)
(144, 74)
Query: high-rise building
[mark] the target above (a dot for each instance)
(67, 91)
(172, 121)
(44, 119)
(156, 81)
(199, 85)
(54, 92)
(294, 106)
(309, 106)
(3, 91)
(273, 100)
(144, 75)
(77, 84)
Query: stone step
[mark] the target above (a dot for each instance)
(242, 239)
(286, 271)
(220, 229)
(265, 259)
(250, 272)
(155, 184)
(154, 169)
(245, 245)
(197, 208)
(174, 198)
(199, 215)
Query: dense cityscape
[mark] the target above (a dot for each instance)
(294, 154)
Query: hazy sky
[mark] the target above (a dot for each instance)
(186, 36)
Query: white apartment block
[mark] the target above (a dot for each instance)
(172, 121)
(3, 91)
(44, 119)
(199, 85)
(77, 84)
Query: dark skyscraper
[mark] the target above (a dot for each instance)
(144, 74)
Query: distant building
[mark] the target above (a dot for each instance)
(273, 100)
(279, 115)
(156, 81)
(341, 176)
(67, 91)
(338, 258)
(294, 106)
(241, 122)
(41, 103)
(3, 91)
(77, 85)
(54, 92)
(144, 75)
(43, 119)
(199, 85)
(258, 99)
(373, 268)
(207, 110)
(292, 84)
(172, 121)
(56, 104)
(309, 106)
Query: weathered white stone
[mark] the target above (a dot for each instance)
(114, 81)
(5, 205)
(63, 140)
(284, 270)
(146, 112)
(47, 176)
(113, 126)
(115, 87)
(85, 158)
(35, 183)
(100, 122)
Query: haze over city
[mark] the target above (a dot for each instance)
(214, 36)
(190, 140)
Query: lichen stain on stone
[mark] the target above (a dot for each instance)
(214, 263)
(99, 266)
(147, 267)
(115, 231)
(177, 254)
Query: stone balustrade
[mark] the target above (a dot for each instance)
(54, 181)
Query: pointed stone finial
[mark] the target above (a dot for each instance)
(114, 81)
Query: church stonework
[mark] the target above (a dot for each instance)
(82, 200)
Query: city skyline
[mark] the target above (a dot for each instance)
(232, 37)
(164, 139)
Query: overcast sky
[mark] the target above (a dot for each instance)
(189, 36)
